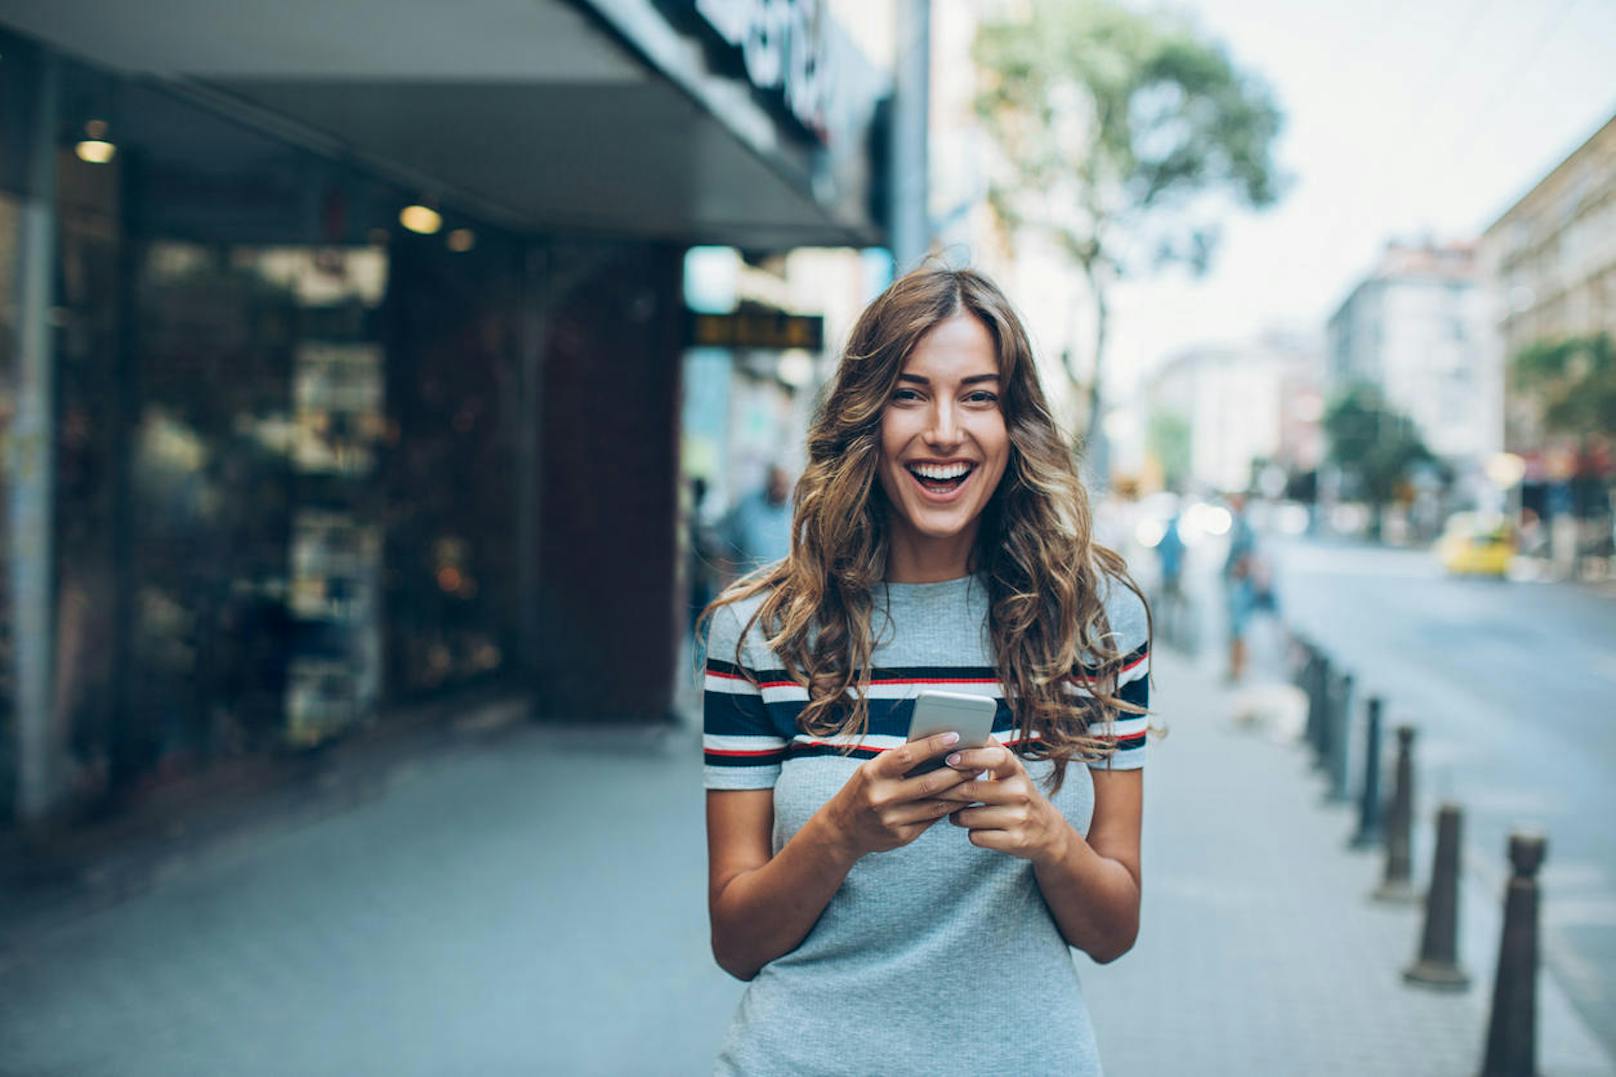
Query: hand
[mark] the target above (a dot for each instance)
(879, 809)
(1014, 817)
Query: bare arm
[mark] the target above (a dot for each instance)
(1092, 886)
(762, 907)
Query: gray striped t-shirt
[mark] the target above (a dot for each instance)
(936, 957)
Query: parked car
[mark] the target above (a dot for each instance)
(1476, 545)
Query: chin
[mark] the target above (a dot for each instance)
(943, 531)
(950, 526)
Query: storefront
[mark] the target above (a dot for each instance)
(340, 372)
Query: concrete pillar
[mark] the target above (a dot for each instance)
(529, 448)
(911, 118)
(32, 456)
(608, 632)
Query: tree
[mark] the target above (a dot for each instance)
(1573, 384)
(1119, 133)
(1167, 438)
(1375, 446)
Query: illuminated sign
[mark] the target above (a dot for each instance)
(783, 45)
(756, 329)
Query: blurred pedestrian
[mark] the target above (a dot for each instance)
(757, 531)
(701, 553)
(1170, 597)
(1248, 581)
(941, 537)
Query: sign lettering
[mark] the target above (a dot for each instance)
(782, 44)
(757, 329)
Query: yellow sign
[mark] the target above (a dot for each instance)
(757, 329)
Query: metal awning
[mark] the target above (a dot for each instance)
(545, 114)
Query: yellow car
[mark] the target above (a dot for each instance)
(1474, 545)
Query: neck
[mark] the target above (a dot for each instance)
(916, 558)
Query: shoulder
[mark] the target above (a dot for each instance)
(724, 632)
(1126, 616)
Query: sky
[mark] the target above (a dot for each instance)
(1403, 120)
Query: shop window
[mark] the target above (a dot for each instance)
(452, 577)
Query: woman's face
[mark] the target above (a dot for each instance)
(943, 441)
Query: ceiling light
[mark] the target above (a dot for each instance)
(94, 148)
(421, 219)
(462, 240)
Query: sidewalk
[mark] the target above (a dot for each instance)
(529, 899)
(1259, 953)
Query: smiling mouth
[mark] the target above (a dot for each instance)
(940, 480)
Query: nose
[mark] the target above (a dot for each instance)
(943, 430)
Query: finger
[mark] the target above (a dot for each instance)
(987, 818)
(976, 790)
(1001, 840)
(996, 759)
(933, 784)
(919, 811)
(1006, 764)
(896, 762)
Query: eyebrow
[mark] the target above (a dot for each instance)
(972, 380)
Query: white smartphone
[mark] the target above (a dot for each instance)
(937, 711)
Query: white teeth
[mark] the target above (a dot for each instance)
(936, 471)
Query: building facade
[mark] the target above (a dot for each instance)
(1550, 263)
(1550, 260)
(340, 354)
(1416, 329)
(1242, 406)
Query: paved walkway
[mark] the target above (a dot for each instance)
(520, 901)
(1259, 953)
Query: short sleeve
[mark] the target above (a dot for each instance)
(1128, 729)
(1130, 632)
(741, 749)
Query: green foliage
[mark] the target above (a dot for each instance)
(1118, 131)
(1167, 437)
(1114, 125)
(1373, 444)
(1573, 383)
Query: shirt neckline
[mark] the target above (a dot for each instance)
(934, 589)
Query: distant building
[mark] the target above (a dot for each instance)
(1243, 403)
(1416, 329)
(1550, 261)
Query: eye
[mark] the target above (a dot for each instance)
(982, 396)
(905, 395)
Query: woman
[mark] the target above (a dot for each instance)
(940, 538)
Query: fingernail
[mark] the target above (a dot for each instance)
(954, 759)
(950, 738)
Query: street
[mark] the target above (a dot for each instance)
(1512, 686)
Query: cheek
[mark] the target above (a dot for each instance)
(894, 438)
(995, 441)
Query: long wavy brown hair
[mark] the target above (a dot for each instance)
(1035, 550)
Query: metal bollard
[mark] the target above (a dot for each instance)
(1317, 705)
(1369, 832)
(1340, 754)
(1309, 683)
(1396, 886)
(1325, 697)
(1438, 963)
(1512, 1031)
